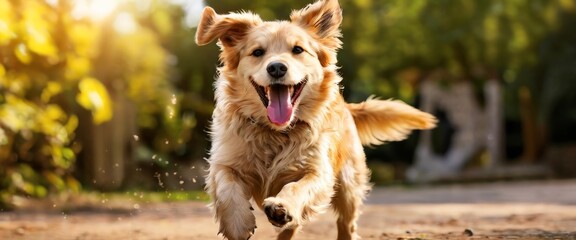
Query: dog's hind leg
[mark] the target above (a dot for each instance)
(352, 186)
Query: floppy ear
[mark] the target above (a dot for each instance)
(322, 19)
(229, 28)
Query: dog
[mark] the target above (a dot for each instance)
(282, 135)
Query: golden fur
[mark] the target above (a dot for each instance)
(311, 158)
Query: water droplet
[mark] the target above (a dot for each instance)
(181, 182)
(154, 156)
(136, 206)
(116, 165)
(175, 173)
(167, 142)
(136, 138)
(170, 112)
(166, 173)
(160, 183)
(194, 180)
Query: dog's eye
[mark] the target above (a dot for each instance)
(297, 50)
(258, 52)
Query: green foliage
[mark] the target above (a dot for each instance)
(465, 39)
(54, 63)
(44, 55)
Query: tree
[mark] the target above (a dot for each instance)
(55, 66)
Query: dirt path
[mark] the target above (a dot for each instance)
(529, 210)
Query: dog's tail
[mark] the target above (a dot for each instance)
(379, 121)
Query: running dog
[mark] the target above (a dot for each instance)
(282, 134)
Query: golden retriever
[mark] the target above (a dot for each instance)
(281, 132)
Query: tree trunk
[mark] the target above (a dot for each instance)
(107, 147)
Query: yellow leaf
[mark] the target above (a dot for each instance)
(72, 124)
(77, 67)
(83, 37)
(6, 33)
(2, 71)
(94, 96)
(36, 30)
(16, 113)
(6, 22)
(51, 89)
(22, 53)
(73, 184)
(3, 137)
(54, 112)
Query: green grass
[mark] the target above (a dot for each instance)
(155, 197)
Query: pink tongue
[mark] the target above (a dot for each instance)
(280, 105)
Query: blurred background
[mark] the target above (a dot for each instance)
(115, 95)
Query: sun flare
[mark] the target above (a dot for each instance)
(97, 10)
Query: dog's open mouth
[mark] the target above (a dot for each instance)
(279, 100)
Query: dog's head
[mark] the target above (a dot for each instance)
(276, 71)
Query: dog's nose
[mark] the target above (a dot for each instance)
(276, 69)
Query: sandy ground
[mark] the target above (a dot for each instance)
(526, 210)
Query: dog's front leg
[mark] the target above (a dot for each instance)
(231, 203)
(297, 201)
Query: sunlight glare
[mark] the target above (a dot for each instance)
(193, 8)
(125, 23)
(95, 9)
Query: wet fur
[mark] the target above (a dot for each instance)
(316, 161)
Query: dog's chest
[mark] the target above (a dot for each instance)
(278, 158)
(290, 150)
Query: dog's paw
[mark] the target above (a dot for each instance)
(237, 230)
(277, 212)
(240, 236)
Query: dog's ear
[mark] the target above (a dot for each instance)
(229, 28)
(322, 19)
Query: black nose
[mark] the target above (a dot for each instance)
(276, 69)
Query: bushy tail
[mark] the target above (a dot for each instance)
(379, 121)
